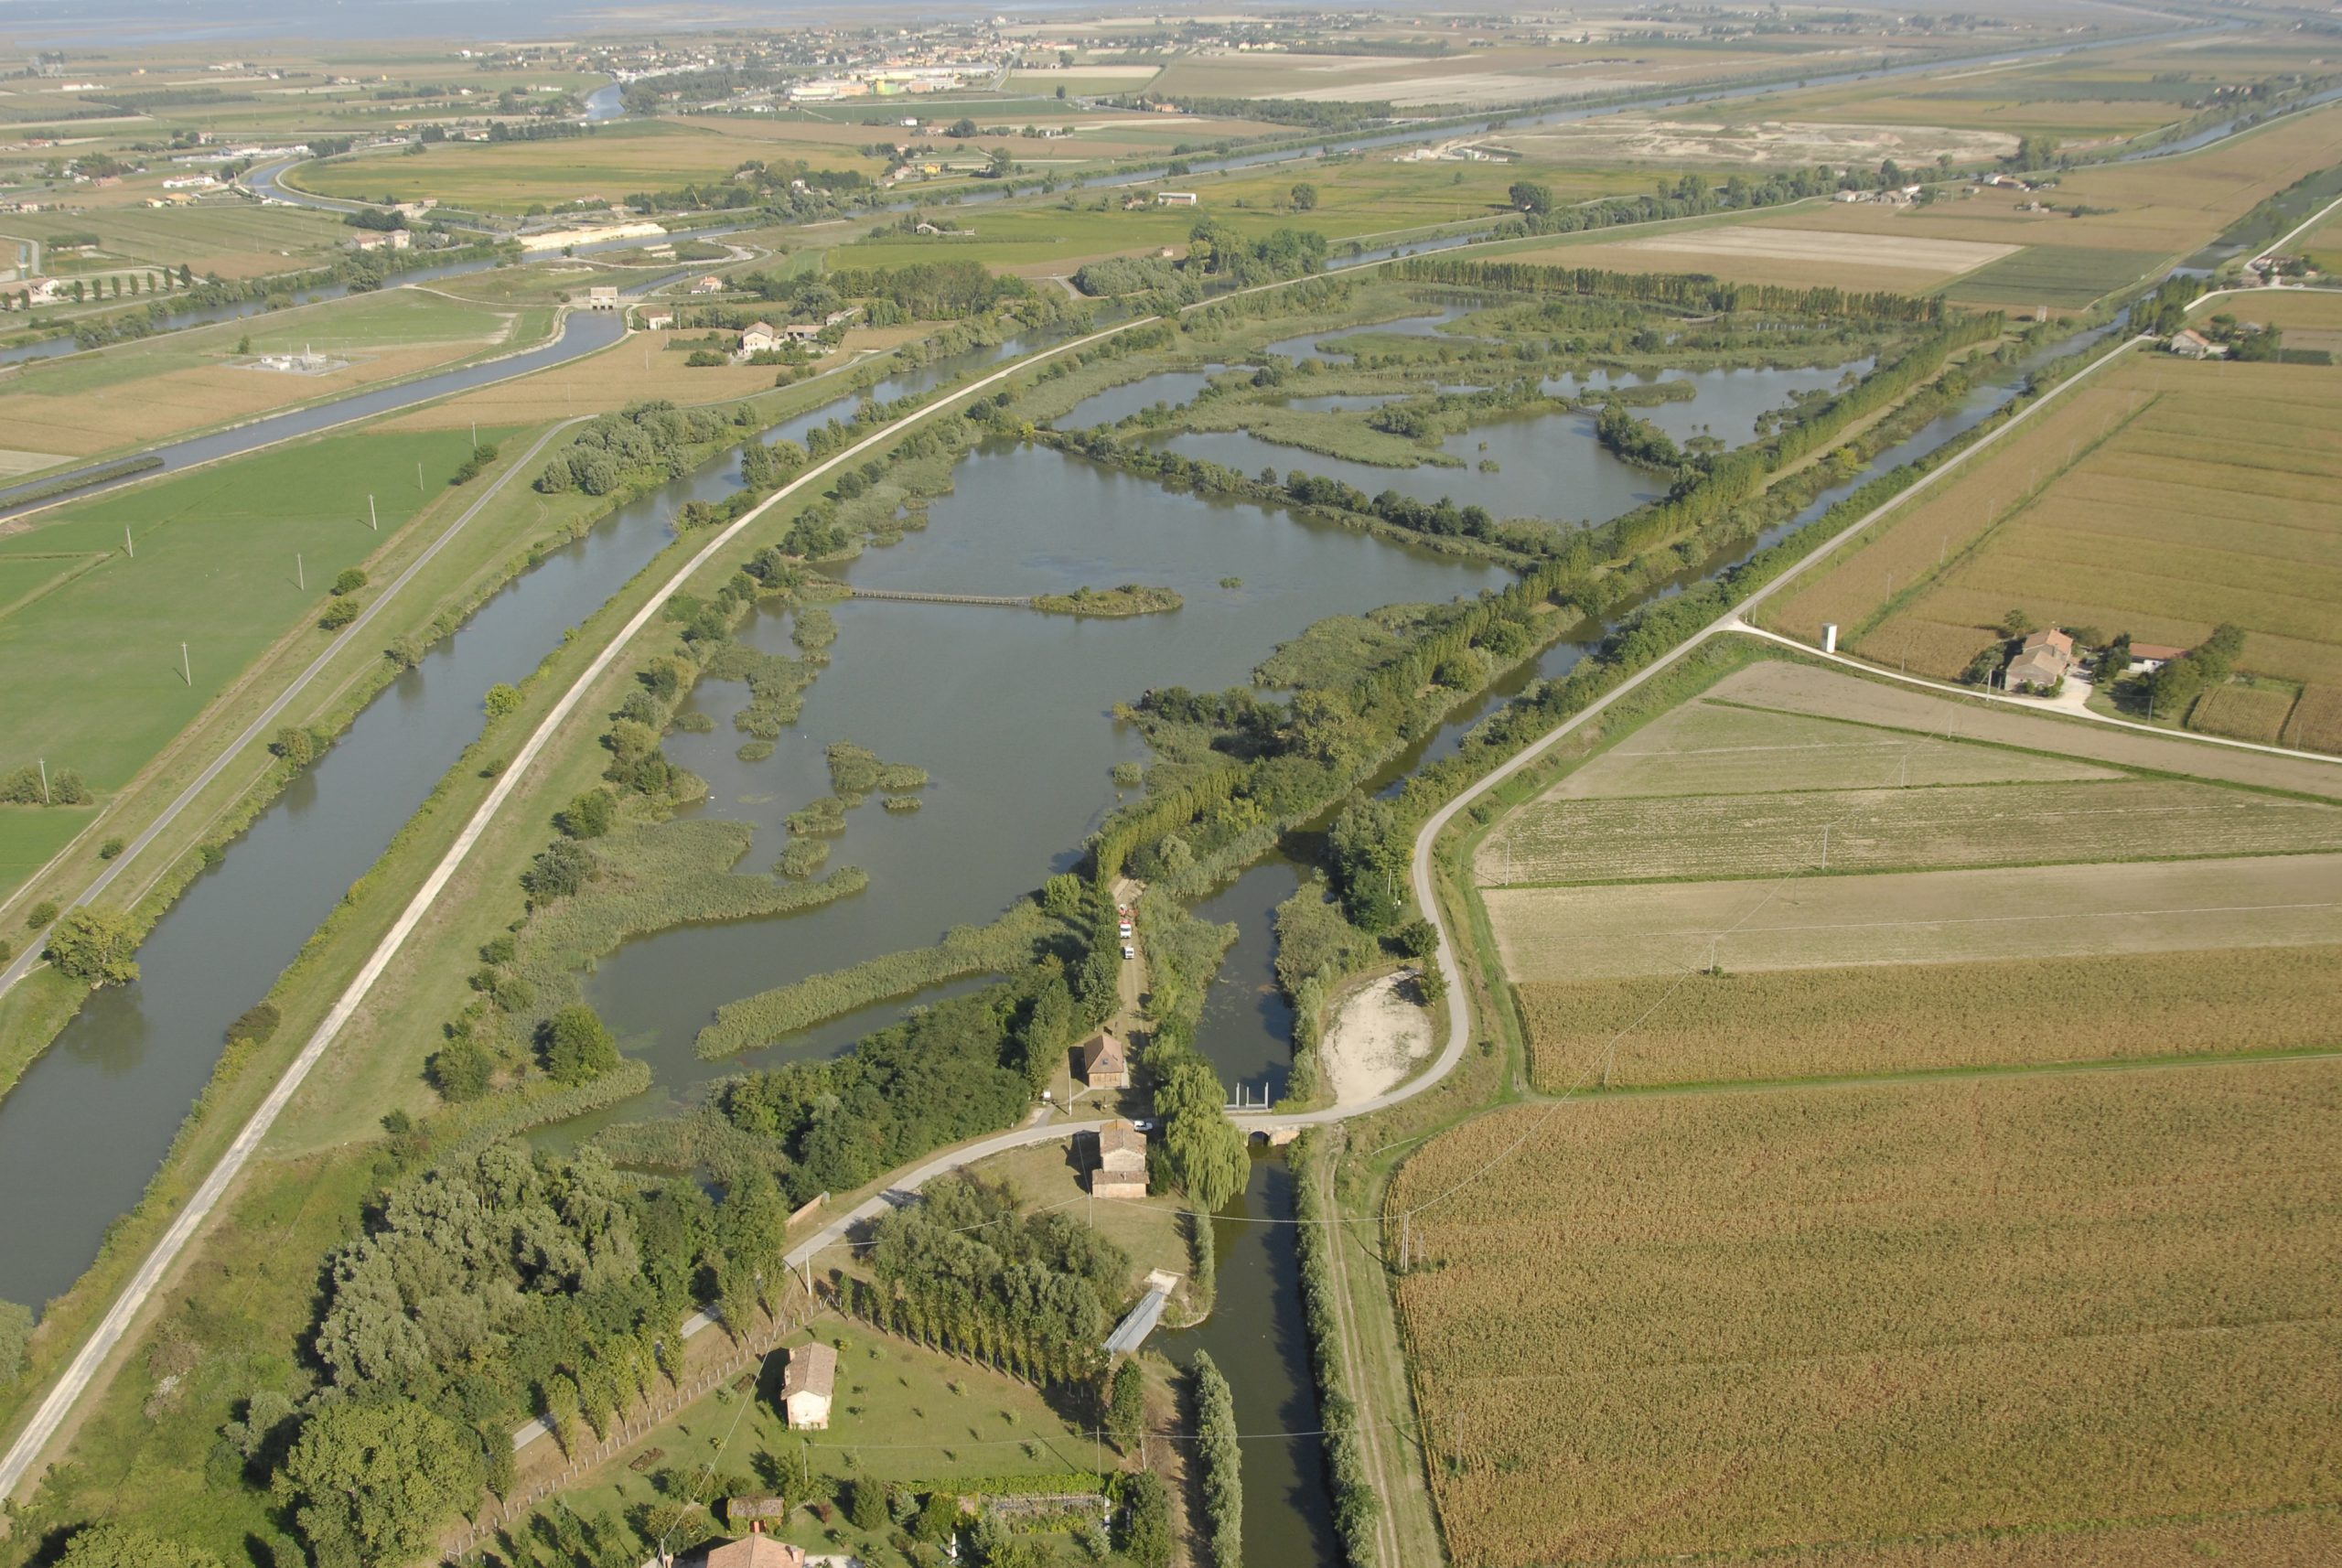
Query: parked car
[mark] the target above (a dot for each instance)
(1129, 951)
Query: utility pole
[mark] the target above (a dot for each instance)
(371, 521)
(418, 477)
(127, 547)
(1825, 846)
(187, 671)
(300, 573)
(44, 780)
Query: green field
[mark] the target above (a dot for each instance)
(2067, 277)
(214, 568)
(233, 238)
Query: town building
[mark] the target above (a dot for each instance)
(2042, 661)
(1104, 1063)
(1121, 1170)
(659, 320)
(807, 1386)
(756, 1549)
(601, 298)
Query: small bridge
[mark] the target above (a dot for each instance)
(1005, 603)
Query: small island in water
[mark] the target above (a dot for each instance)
(1130, 599)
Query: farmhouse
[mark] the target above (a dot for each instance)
(759, 338)
(1174, 197)
(807, 1388)
(601, 298)
(659, 320)
(756, 1549)
(2042, 661)
(708, 284)
(801, 332)
(1104, 1063)
(1121, 1170)
(2190, 344)
(2147, 658)
(390, 240)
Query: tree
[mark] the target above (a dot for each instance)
(348, 580)
(1305, 196)
(339, 614)
(579, 1047)
(502, 699)
(960, 129)
(2016, 623)
(1532, 197)
(95, 944)
(865, 1504)
(461, 1069)
(371, 1481)
(1062, 896)
(1126, 1405)
(127, 1546)
(1146, 1520)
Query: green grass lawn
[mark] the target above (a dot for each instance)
(904, 1415)
(94, 668)
(28, 836)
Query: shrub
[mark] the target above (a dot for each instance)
(40, 914)
(502, 699)
(255, 1023)
(560, 869)
(112, 847)
(339, 614)
(461, 1069)
(348, 580)
(295, 745)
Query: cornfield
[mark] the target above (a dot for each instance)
(1739, 1322)
(1882, 1019)
(2245, 713)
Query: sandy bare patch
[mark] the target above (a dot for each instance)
(1900, 252)
(1376, 1039)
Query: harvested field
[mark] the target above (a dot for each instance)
(2287, 1537)
(1784, 832)
(1802, 689)
(1936, 258)
(1866, 1313)
(1872, 1019)
(2242, 712)
(1705, 144)
(636, 366)
(1712, 748)
(1557, 934)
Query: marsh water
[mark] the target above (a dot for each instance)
(1009, 710)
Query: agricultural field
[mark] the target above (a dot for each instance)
(2163, 207)
(231, 239)
(1492, 77)
(2059, 277)
(510, 177)
(1889, 1217)
(138, 393)
(1758, 1025)
(215, 568)
(1723, 137)
(1770, 1320)
(2163, 500)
